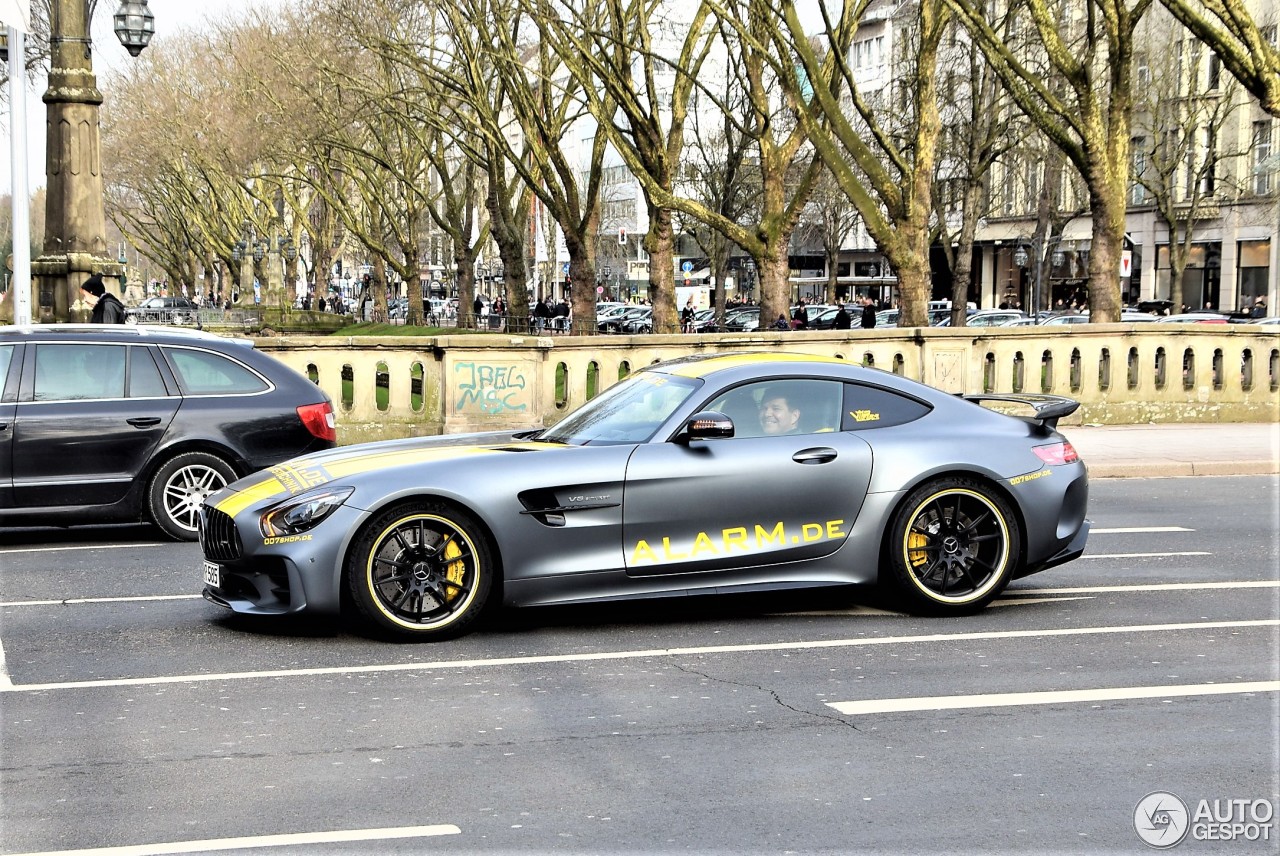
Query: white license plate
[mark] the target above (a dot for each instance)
(212, 575)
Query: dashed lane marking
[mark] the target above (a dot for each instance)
(1143, 555)
(69, 601)
(961, 702)
(640, 654)
(290, 840)
(1235, 584)
(1127, 530)
(69, 547)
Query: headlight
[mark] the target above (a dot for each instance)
(300, 513)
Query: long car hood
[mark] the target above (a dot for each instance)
(320, 468)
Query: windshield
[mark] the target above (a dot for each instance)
(630, 411)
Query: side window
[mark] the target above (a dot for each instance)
(791, 406)
(6, 357)
(874, 407)
(206, 373)
(75, 372)
(144, 377)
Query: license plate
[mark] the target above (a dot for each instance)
(212, 575)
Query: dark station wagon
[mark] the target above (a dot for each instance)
(114, 423)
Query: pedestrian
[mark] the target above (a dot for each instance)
(799, 317)
(843, 321)
(541, 314)
(107, 308)
(1259, 309)
(477, 306)
(868, 314)
(686, 316)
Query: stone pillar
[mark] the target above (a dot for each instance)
(75, 243)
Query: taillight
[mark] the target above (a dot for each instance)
(1057, 453)
(319, 420)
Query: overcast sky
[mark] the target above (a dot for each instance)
(172, 17)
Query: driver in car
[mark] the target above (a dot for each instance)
(778, 415)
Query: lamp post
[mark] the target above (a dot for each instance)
(75, 243)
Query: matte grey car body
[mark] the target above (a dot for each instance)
(665, 484)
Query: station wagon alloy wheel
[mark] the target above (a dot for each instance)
(955, 544)
(181, 486)
(422, 571)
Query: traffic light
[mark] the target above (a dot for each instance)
(622, 234)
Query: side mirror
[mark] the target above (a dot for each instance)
(707, 425)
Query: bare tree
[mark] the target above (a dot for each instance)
(1089, 118)
(1231, 32)
(1183, 155)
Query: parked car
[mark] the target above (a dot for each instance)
(743, 321)
(989, 318)
(1058, 320)
(1195, 318)
(118, 423)
(613, 321)
(163, 310)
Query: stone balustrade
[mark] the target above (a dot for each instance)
(1121, 373)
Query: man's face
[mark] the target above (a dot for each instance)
(91, 299)
(777, 416)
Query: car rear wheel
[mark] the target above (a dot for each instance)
(180, 486)
(421, 571)
(952, 547)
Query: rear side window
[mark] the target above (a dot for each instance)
(6, 357)
(75, 372)
(144, 377)
(875, 407)
(207, 373)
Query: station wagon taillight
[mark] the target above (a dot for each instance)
(1057, 453)
(319, 420)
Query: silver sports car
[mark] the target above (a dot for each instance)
(723, 473)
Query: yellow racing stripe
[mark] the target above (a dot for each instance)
(291, 478)
(701, 368)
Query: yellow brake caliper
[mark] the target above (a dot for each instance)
(455, 570)
(916, 542)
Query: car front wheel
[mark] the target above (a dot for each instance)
(421, 571)
(952, 548)
(179, 488)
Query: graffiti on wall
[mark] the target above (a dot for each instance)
(491, 389)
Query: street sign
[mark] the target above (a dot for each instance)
(565, 267)
(1126, 263)
(599, 289)
(686, 267)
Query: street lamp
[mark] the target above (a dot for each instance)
(75, 243)
(134, 25)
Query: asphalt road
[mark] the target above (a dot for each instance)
(136, 716)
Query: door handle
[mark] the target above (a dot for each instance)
(820, 455)
(143, 421)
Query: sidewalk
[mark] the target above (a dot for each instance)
(1190, 449)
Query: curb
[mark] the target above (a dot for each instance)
(1176, 469)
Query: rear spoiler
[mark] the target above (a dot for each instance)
(1048, 408)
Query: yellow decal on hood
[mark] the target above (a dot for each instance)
(293, 478)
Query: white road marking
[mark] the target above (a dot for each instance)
(1238, 584)
(5, 682)
(900, 705)
(1023, 601)
(1143, 555)
(82, 600)
(259, 841)
(631, 655)
(82, 547)
(1135, 529)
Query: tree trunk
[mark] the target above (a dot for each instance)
(659, 244)
(1104, 254)
(833, 255)
(582, 275)
(775, 286)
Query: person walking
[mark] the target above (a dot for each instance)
(843, 320)
(107, 308)
(868, 313)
